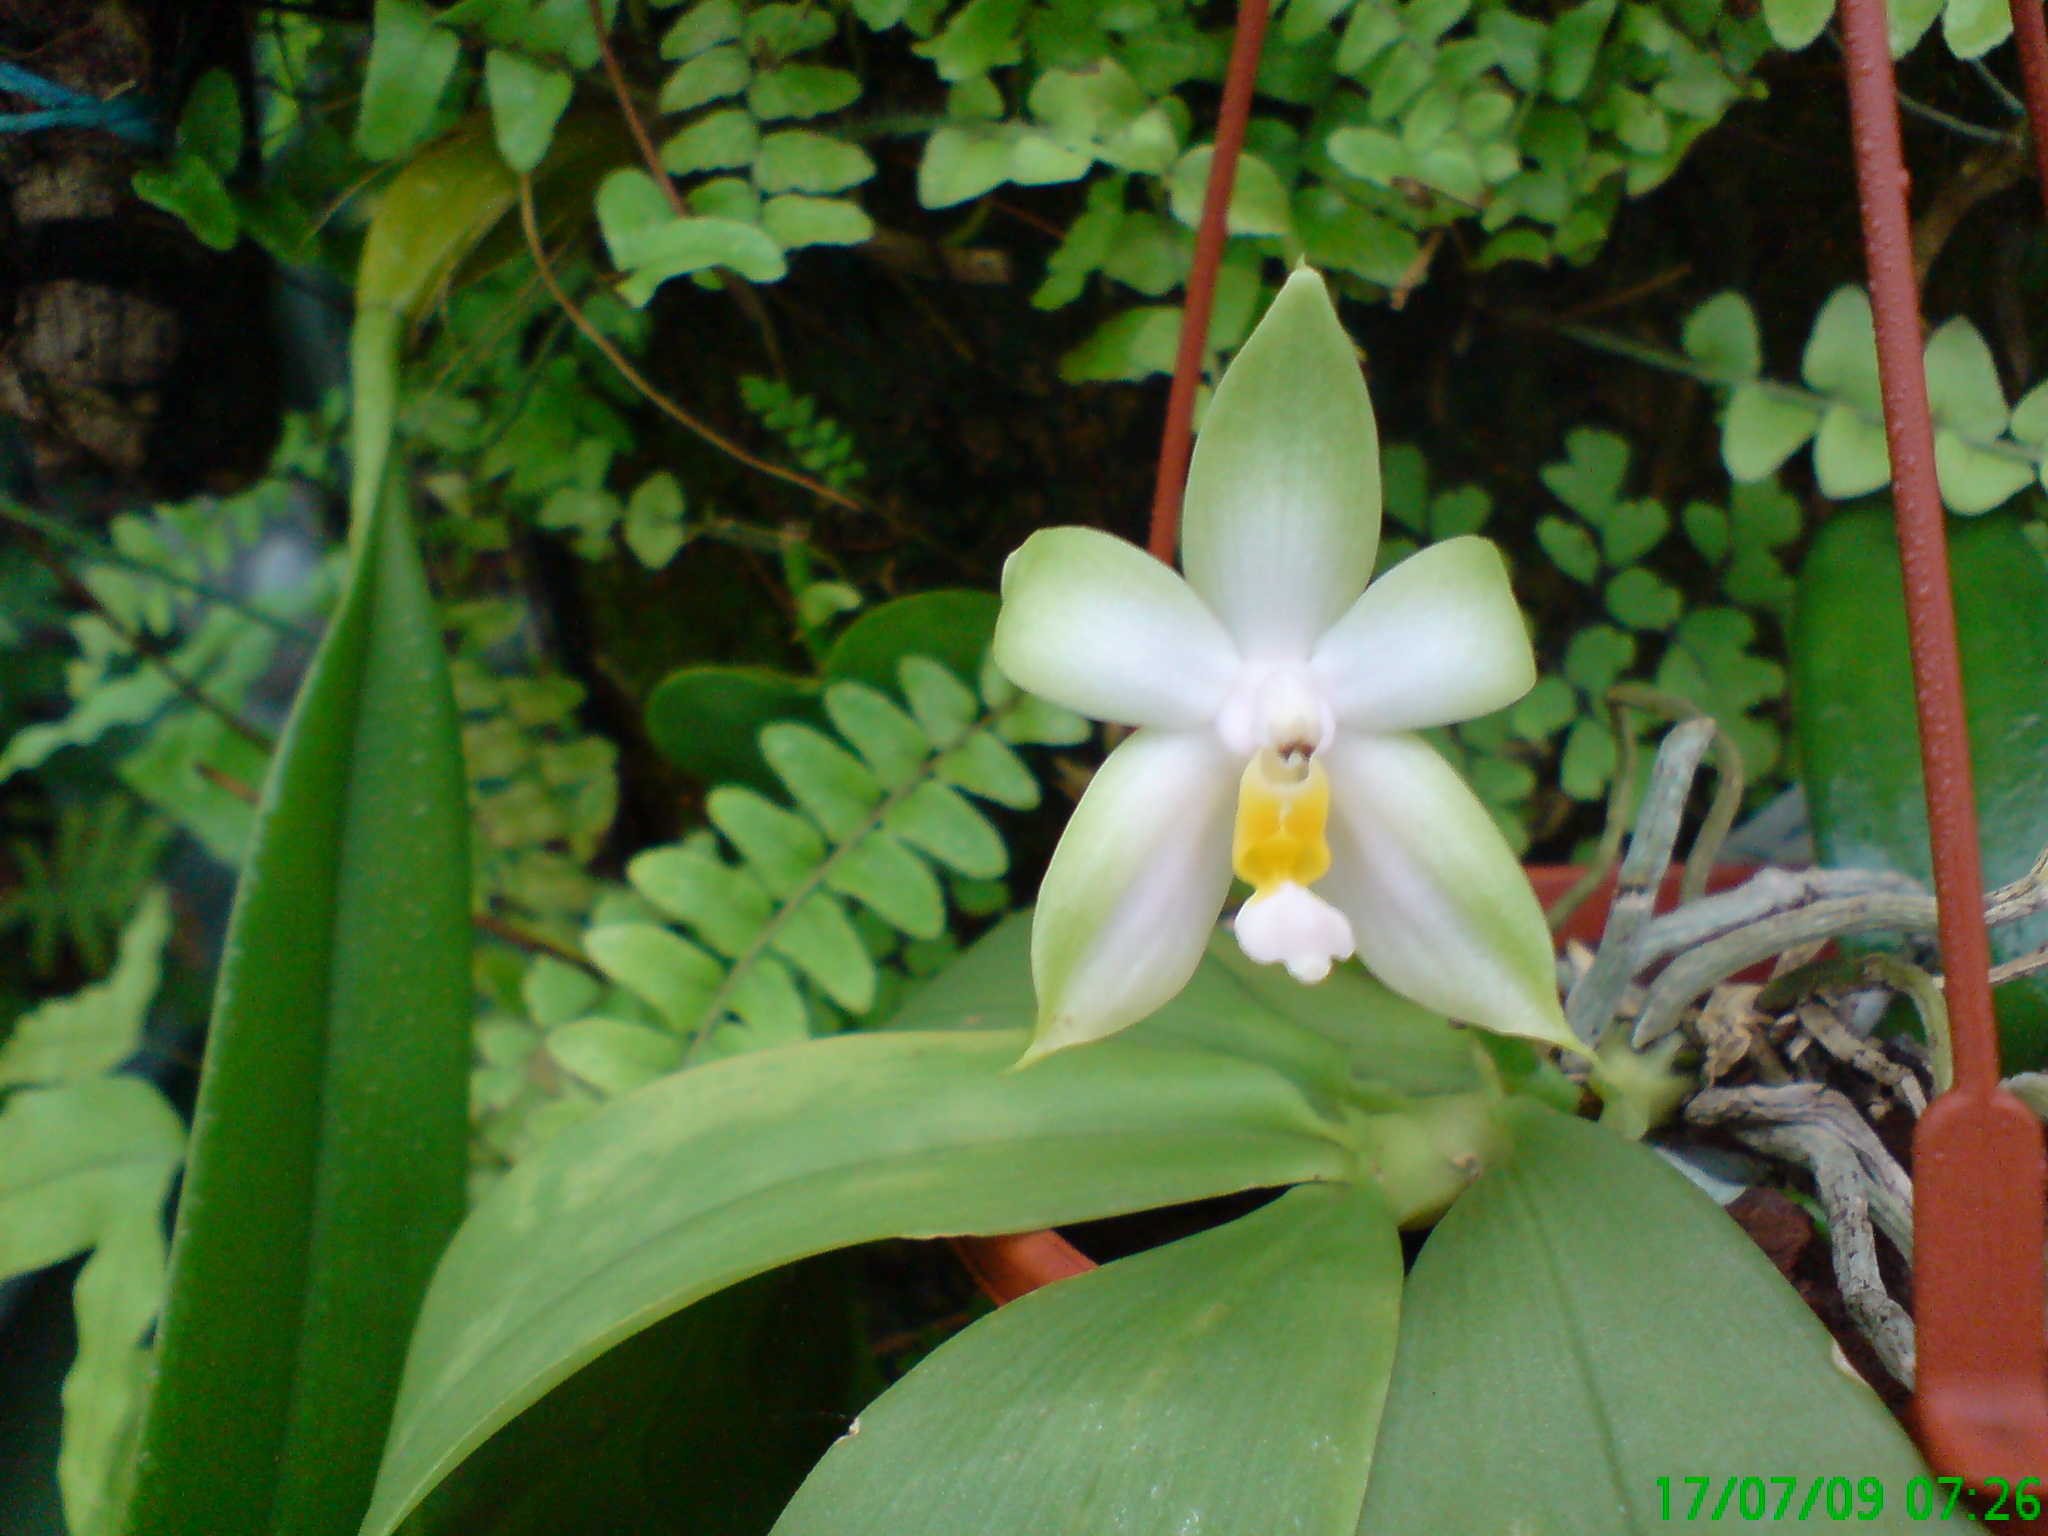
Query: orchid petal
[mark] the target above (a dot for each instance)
(1134, 888)
(1296, 928)
(1097, 625)
(1439, 908)
(1282, 514)
(1436, 639)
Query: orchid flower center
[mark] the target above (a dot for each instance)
(1281, 846)
(1283, 812)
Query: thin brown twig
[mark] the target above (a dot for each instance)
(146, 647)
(639, 381)
(735, 288)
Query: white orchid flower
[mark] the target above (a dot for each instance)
(1276, 697)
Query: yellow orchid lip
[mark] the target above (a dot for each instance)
(1281, 835)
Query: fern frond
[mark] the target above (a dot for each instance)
(784, 921)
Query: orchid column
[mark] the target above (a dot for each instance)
(1276, 697)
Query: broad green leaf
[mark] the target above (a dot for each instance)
(92, 1032)
(1764, 516)
(1710, 664)
(210, 126)
(1972, 28)
(1133, 345)
(1975, 478)
(1589, 477)
(892, 882)
(889, 741)
(1258, 198)
(1574, 46)
(1597, 657)
(948, 625)
(1347, 1029)
(708, 77)
(701, 28)
(1909, 21)
(763, 995)
(527, 100)
(1850, 456)
(983, 766)
(700, 1180)
(411, 59)
(829, 782)
(87, 1166)
(1040, 160)
(1763, 428)
(1962, 382)
(981, 35)
(1339, 234)
(554, 993)
(1640, 599)
(648, 240)
(1370, 153)
(2030, 417)
(707, 720)
(1631, 529)
(788, 27)
(1230, 1382)
(781, 847)
(330, 1142)
(801, 90)
(796, 221)
(1721, 335)
(614, 1056)
(1859, 755)
(703, 1425)
(1706, 525)
(817, 938)
(935, 820)
(1533, 1385)
(1796, 23)
(1570, 548)
(798, 160)
(961, 163)
(690, 882)
(653, 527)
(1544, 710)
(726, 140)
(1588, 760)
(189, 189)
(1841, 354)
(944, 706)
(667, 972)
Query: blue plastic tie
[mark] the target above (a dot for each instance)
(130, 117)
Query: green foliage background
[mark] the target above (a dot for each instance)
(729, 735)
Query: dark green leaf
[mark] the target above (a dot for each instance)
(330, 1144)
(949, 625)
(1859, 748)
(1229, 1382)
(703, 1425)
(708, 720)
(410, 61)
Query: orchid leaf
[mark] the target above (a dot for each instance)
(1105, 1402)
(1535, 1361)
(330, 1146)
(705, 1178)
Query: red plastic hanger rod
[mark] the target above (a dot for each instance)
(1210, 235)
(1981, 1396)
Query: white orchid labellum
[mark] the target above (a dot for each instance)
(1276, 698)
